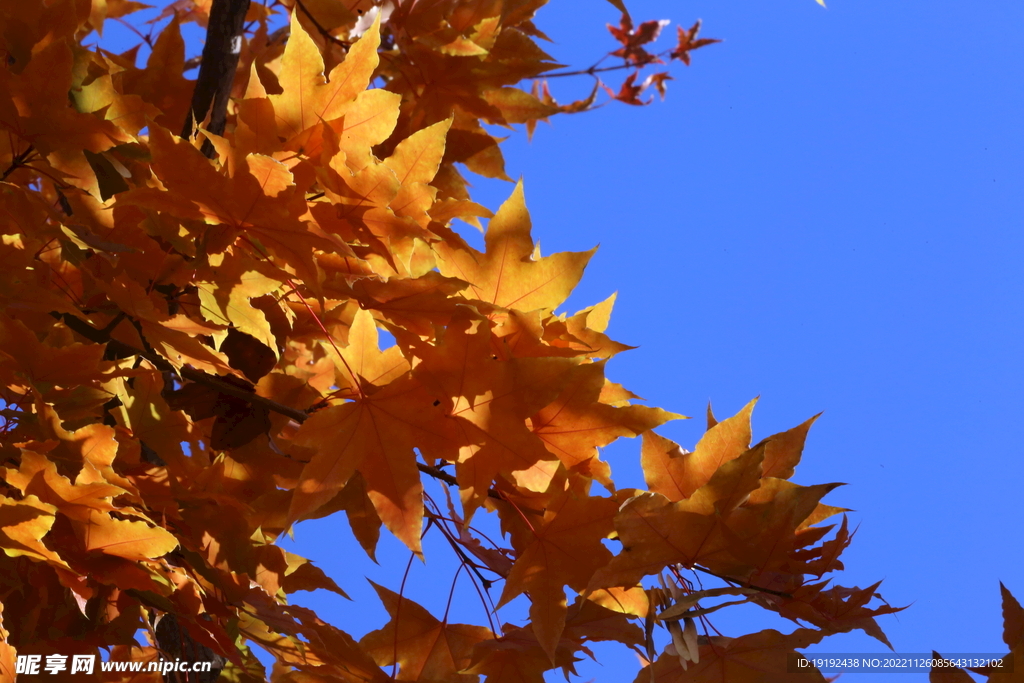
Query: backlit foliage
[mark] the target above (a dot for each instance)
(190, 365)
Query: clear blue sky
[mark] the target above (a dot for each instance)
(828, 212)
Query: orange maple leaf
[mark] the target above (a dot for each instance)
(511, 273)
(576, 424)
(676, 474)
(376, 435)
(561, 548)
(254, 201)
(762, 657)
(490, 400)
(425, 649)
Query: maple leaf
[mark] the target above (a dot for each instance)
(689, 41)
(518, 106)
(362, 517)
(777, 510)
(72, 364)
(1013, 636)
(761, 657)
(725, 524)
(145, 413)
(130, 540)
(415, 162)
(376, 435)
(174, 337)
(37, 476)
(782, 451)
(226, 290)
(836, 610)
(253, 203)
(88, 506)
(510, 273)
(424, 648)
(162, 83)
(308, 96)
(416, 304)
(24, 524)
(1013, 619)
(677, 474)
(490, 400)
(633, 39)
(237, 421)
(584, 332)
(517, 657)
(563, 548)
(628, 92)
(362, 202)
(363, 358)
(576, 424)
(659, 81)
(36, 112)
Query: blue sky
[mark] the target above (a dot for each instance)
(827, 211)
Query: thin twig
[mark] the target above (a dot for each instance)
(742, 584)
(458, 551)
(595, 69)
(323, 31)
(17, 162)
(148, 39)
(587, 72)
(398, 612)
(495, 623)
(441, 475)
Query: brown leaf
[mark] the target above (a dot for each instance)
(561, 549)
(424, 648)
(688, 41)
(761, 657)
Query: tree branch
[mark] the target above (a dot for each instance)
(217, 70)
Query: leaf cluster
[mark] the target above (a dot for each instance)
(190, 365)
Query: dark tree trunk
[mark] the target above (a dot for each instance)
(175, 642)
(217, 71)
